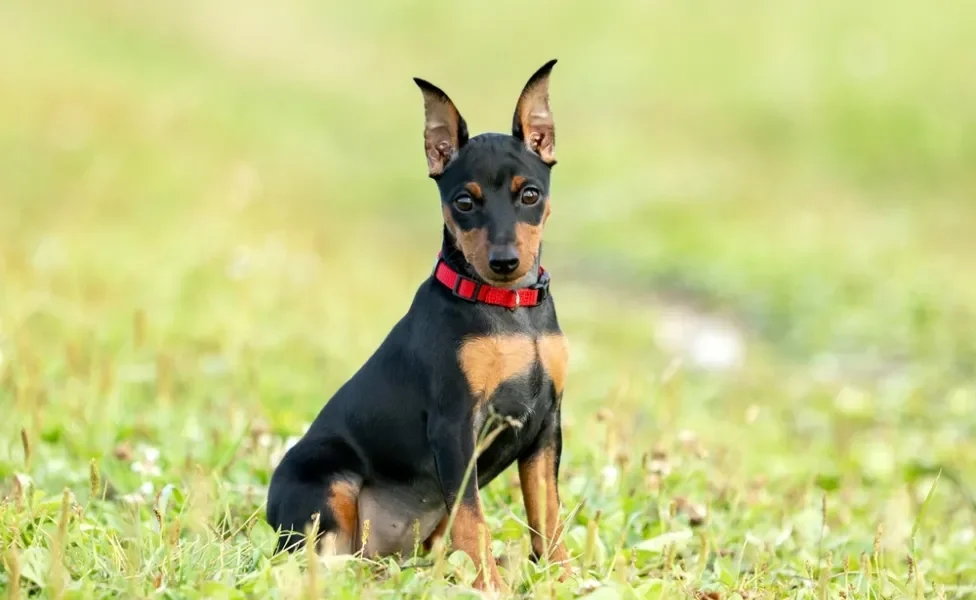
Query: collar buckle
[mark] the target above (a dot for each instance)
(541, 287)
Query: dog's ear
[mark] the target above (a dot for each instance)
(445, 131)
(532, 122)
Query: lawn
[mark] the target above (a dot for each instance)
(761, 247)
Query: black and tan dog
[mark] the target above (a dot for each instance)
(481, 338)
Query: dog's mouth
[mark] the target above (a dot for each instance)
(506, 282)
(520, 278)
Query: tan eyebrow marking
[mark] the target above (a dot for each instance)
(517, 182)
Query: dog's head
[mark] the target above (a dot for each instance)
(494, 187)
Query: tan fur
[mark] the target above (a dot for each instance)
(475, 190)
(528, 239)
(470, 534)
(554, 354)
(472, 243)
(436, 535)
(517, 182)
(537, 476)
(449, 221)
(489, 361)
(343, 501)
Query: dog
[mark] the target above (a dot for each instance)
(385, 464)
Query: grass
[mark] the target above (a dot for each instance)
(211, 214)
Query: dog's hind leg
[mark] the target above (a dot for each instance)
(321, 478)
(293, 503)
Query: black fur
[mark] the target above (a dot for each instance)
(404, 422)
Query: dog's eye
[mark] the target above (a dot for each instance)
(530, 196)
(463, 203)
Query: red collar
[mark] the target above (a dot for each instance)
(475, 291)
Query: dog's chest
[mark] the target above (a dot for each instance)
(510, 374)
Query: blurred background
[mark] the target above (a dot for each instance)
(212, 212)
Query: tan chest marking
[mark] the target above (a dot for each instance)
(489, 361)
(554, 354)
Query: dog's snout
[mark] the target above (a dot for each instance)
(503, 260)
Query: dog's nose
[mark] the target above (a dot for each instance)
(503, 260)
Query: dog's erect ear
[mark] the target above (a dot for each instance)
(532, 122)
(445, 131)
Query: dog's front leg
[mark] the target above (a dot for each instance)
(452, 438)
(539, 476)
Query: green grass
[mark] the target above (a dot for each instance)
(185, 189)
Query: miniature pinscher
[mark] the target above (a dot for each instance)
(480, 344)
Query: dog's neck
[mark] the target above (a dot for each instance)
(455, 259)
